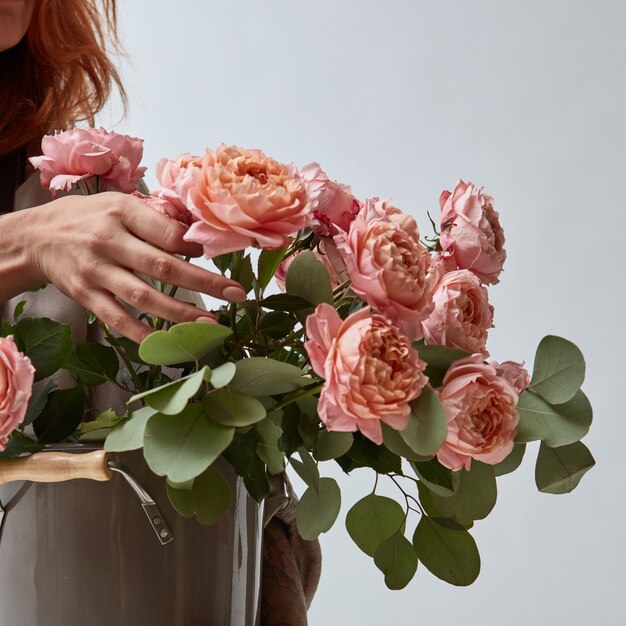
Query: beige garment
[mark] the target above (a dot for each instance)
(50, 302)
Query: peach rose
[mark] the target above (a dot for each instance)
(333, 203)
(513, 372)
(481, 413)
(462, 313)
(371, 371)
(16, 385)
(82, 153)
(471, 235)
(242, 198)
(388, 266)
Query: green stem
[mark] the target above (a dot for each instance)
(122, 353)
(308, 391)
(160, 322)
(232, 308)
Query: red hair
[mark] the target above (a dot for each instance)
(60, 73)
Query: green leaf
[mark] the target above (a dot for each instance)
(316, 512)
(6, 329)
(171, 398)
(130, 347)
(223, 262)
(182, 446)
(396, 559)
(331, 445)
(47, 343)
(427, 427)
(436, 477)
(438, 359)
(181, 499)
(223, 374)
(185, 342)
(276, 324)
(307, 469)
(447, 550)
(93, 364)
(512, 462)
(128, 434)
(20, 444)
(269, 260)
(231, 408)
(291, 439)
(307, 278)
(394, 443)
(559, 470)
(372, 520)
(37, 403)
(260, 376)
(242, 455)
(19, 309)
(99, 428)
(559, 370)
(365, 453)
(268, 447)
(285, 302)
(556, 424)
(474, 497)
(61, 416)
(211, 496)
(246, 275)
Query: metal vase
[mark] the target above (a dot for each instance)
(83, 553)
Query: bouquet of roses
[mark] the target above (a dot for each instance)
(373, 355)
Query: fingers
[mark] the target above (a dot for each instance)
(141, 257)
(134, 291)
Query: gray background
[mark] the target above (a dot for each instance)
(400, 99)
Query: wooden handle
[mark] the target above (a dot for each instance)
(54, 467)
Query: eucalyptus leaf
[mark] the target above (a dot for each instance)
(436, 477)
(182, 446)
(261, 376)
(559, 470)
(365, 453)
(211, 496)
(438, 359)
(447, 550)
(556, 424)
(99, 428)
(427, 427)
(242, 455)
(396, 559)
(171, 398)
(129, 433)
(189, 341)
(395, 444)
(231, 408)
(47, 343)
(316, 512)
(268, 447)
(181, 499)
(512, 461)
(331, 445)
(372, 520)
(222, 374)
(559, 370)
(307, 278)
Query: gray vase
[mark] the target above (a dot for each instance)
(83, 553)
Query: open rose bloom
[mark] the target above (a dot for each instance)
(16, 385)
(82, 154)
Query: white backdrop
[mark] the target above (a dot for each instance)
(400, 98)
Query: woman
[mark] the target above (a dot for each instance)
(54, 72)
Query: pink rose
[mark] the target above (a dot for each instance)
(514, 373)
(175, 179)
(388, 266)
(481, 413)
(16, 385)
(371, 371)
(334, 204)
(243, 198)
(82, 153)
(327, 253)
(462, 313)
(471, 234)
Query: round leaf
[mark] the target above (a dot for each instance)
(438, 359)
(559, 370)
(512, 462)
(396, 559)
(223, 374)
(182, 446)
(128, 434)
(230, 408)
(427, 427)
(261, 376)
(189, 341)
(181, 499)
(557, 425)
(559, 470)
(394, 443)
(331, 445)
(447, 550)
(307, 278)
(316, 512)
(372, 520)
(211, 496)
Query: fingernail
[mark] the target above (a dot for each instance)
(205, 319)
(234, 294)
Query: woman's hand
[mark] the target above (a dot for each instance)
(90, 248)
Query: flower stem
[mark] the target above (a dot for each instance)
(305, 393)
(122, 353)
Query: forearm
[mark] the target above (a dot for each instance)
(17, 271)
